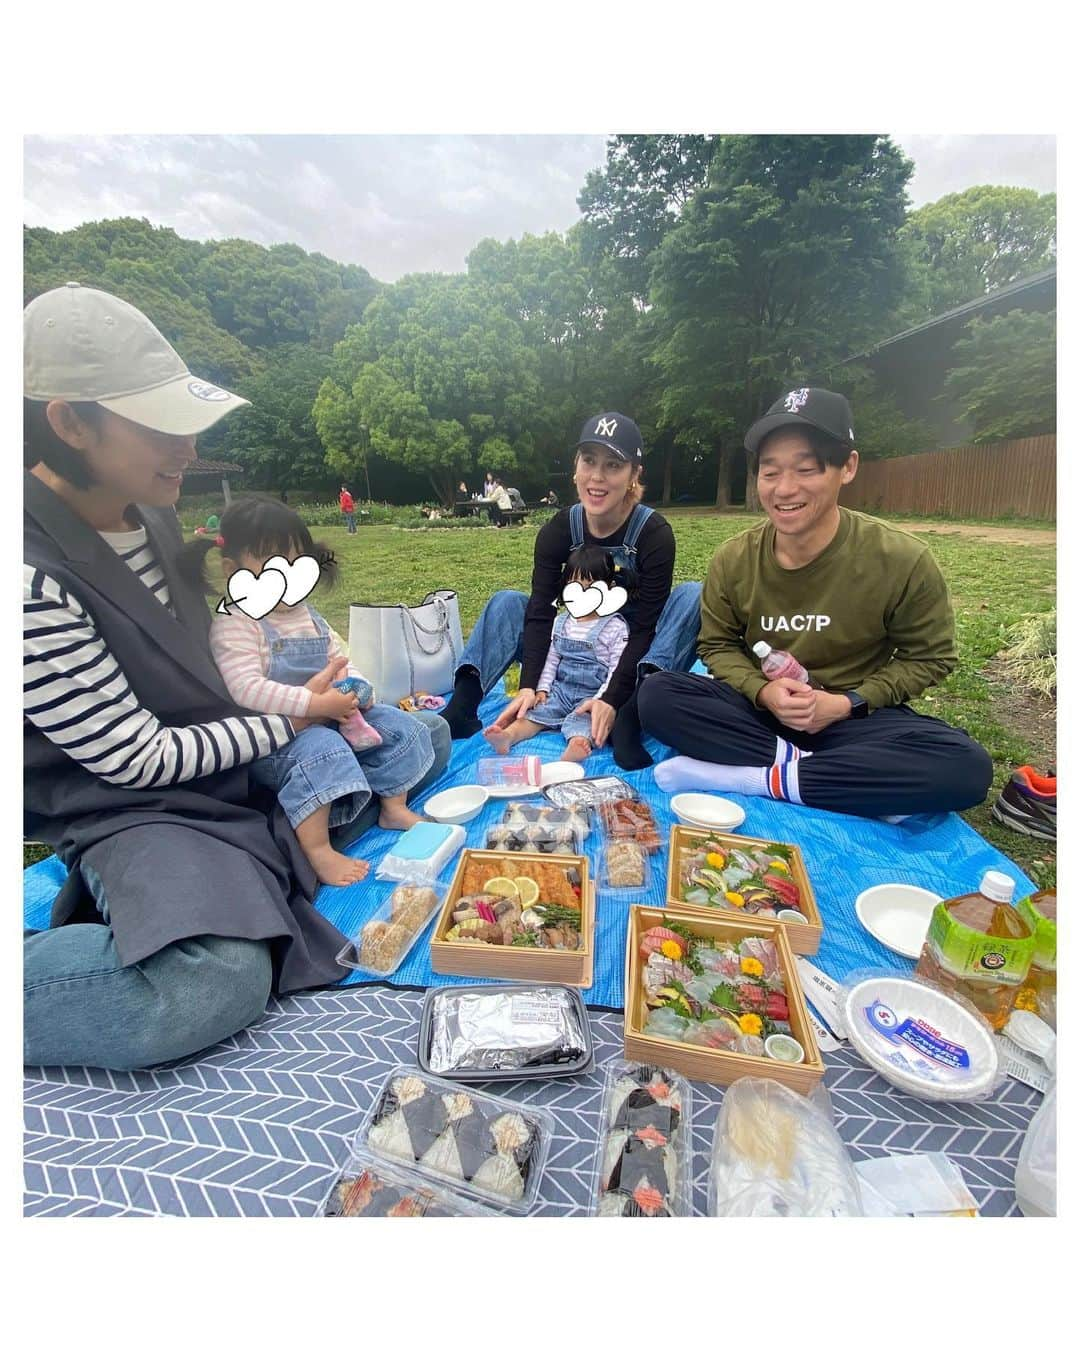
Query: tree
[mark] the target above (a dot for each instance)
(443, 379)
(882, 429)
(780, 266)
(970, 243)
(1006, 382)
(630, 204)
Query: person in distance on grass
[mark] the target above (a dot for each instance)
(663, 621)
(861, 605)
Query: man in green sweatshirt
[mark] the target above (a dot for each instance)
(862, 607)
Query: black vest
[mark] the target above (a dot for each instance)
(179, 861)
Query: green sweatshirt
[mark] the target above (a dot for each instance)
(870, 614)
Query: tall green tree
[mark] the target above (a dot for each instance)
(780, 266)
(1005, 379)
(443, 380)
(969, 243)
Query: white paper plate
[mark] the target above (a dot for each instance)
(707, 812)
(561, 771)
(512, 790)
(887, 1017)
(897, 915)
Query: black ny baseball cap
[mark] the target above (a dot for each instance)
(615, 432)
(820, 408)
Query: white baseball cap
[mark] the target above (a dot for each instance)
(86, 346)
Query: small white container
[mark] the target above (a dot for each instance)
(457, 805)
(705, 811)
(786, 1049)
(897, 915)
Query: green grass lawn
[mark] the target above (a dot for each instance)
(993, 584)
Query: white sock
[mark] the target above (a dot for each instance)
(779, 780)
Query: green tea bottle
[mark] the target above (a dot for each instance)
(979, 946)
(1039, 991)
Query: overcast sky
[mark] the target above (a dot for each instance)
(396, 204)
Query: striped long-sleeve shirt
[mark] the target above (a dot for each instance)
(76, 694)
(242, 655)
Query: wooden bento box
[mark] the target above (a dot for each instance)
(703, 1062)
(488, 961)
(803, 938)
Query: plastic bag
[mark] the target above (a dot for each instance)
(776, 1154)
(1036, 1168)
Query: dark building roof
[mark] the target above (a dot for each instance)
(214, 466)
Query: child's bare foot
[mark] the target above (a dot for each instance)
(335, 869)
(577, 749)
(499, 740)
(396, 816)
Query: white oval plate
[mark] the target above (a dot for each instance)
(706, 811)
(561, 771)
(897, 915)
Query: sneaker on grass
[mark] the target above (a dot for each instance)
(1028, 804)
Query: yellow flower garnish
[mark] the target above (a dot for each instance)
(735, 898)
(750, 1024)
(714, 859)
(780, 865)
(751, 966)
(671, 949)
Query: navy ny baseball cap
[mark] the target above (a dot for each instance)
(819, 408)
(614, 432)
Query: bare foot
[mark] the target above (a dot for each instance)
(499, 740)
(335, 869)
(577, 749)
(396, 816)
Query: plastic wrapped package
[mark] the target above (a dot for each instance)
(1036, 1168)
(776, 1154)
(590, 792)
(630, 819)
(624, 869)
(534, 839)
(368, 1187)
(390, 934)
(643, 1158)
(929, 1043)
(421, 853)
(520, 815)
(504, 1031)
(488, 1149)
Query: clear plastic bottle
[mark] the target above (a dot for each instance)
(1040, 987)
(979, 946)
(502, 771)
(778, 665)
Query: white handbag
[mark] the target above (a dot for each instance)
(404, 650)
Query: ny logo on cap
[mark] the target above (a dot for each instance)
(795, 400)
(607, 426)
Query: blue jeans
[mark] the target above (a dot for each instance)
(349, 518)
(81, 1006)
(320, 767)
(495, 643)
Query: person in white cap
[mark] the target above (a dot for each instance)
(186, 902)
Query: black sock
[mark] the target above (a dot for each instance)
(626, 737)
(460, 712)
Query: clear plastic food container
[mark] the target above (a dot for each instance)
(590, 792)
(630, 818)
(482, 1146)
(625, 871)
(421, 853)
(524, 814)
(368, 1187)
(643, 1159)
(390, 934)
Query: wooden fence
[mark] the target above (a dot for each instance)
(1006, 478)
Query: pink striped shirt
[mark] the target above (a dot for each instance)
(242, 655)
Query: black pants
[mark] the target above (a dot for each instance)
(894, 762)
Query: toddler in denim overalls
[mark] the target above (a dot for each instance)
(321, 781)
(582, 658)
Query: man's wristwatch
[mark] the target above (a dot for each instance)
(859, 705)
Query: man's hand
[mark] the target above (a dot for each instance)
(518, 707)
(790, 701)
(603, 719)
(335, 705)
(828, 708)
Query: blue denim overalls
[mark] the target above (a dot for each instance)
(622, 555)
(579, 676)
(320, 766)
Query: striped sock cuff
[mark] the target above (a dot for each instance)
(782, 780)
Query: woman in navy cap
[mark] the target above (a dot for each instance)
(663, 622)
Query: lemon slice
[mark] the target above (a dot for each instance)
(501, 886)
(528, 890)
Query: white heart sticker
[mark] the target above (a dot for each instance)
(581, 602)
(301, 576)
(254, 595)
(613, 601)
